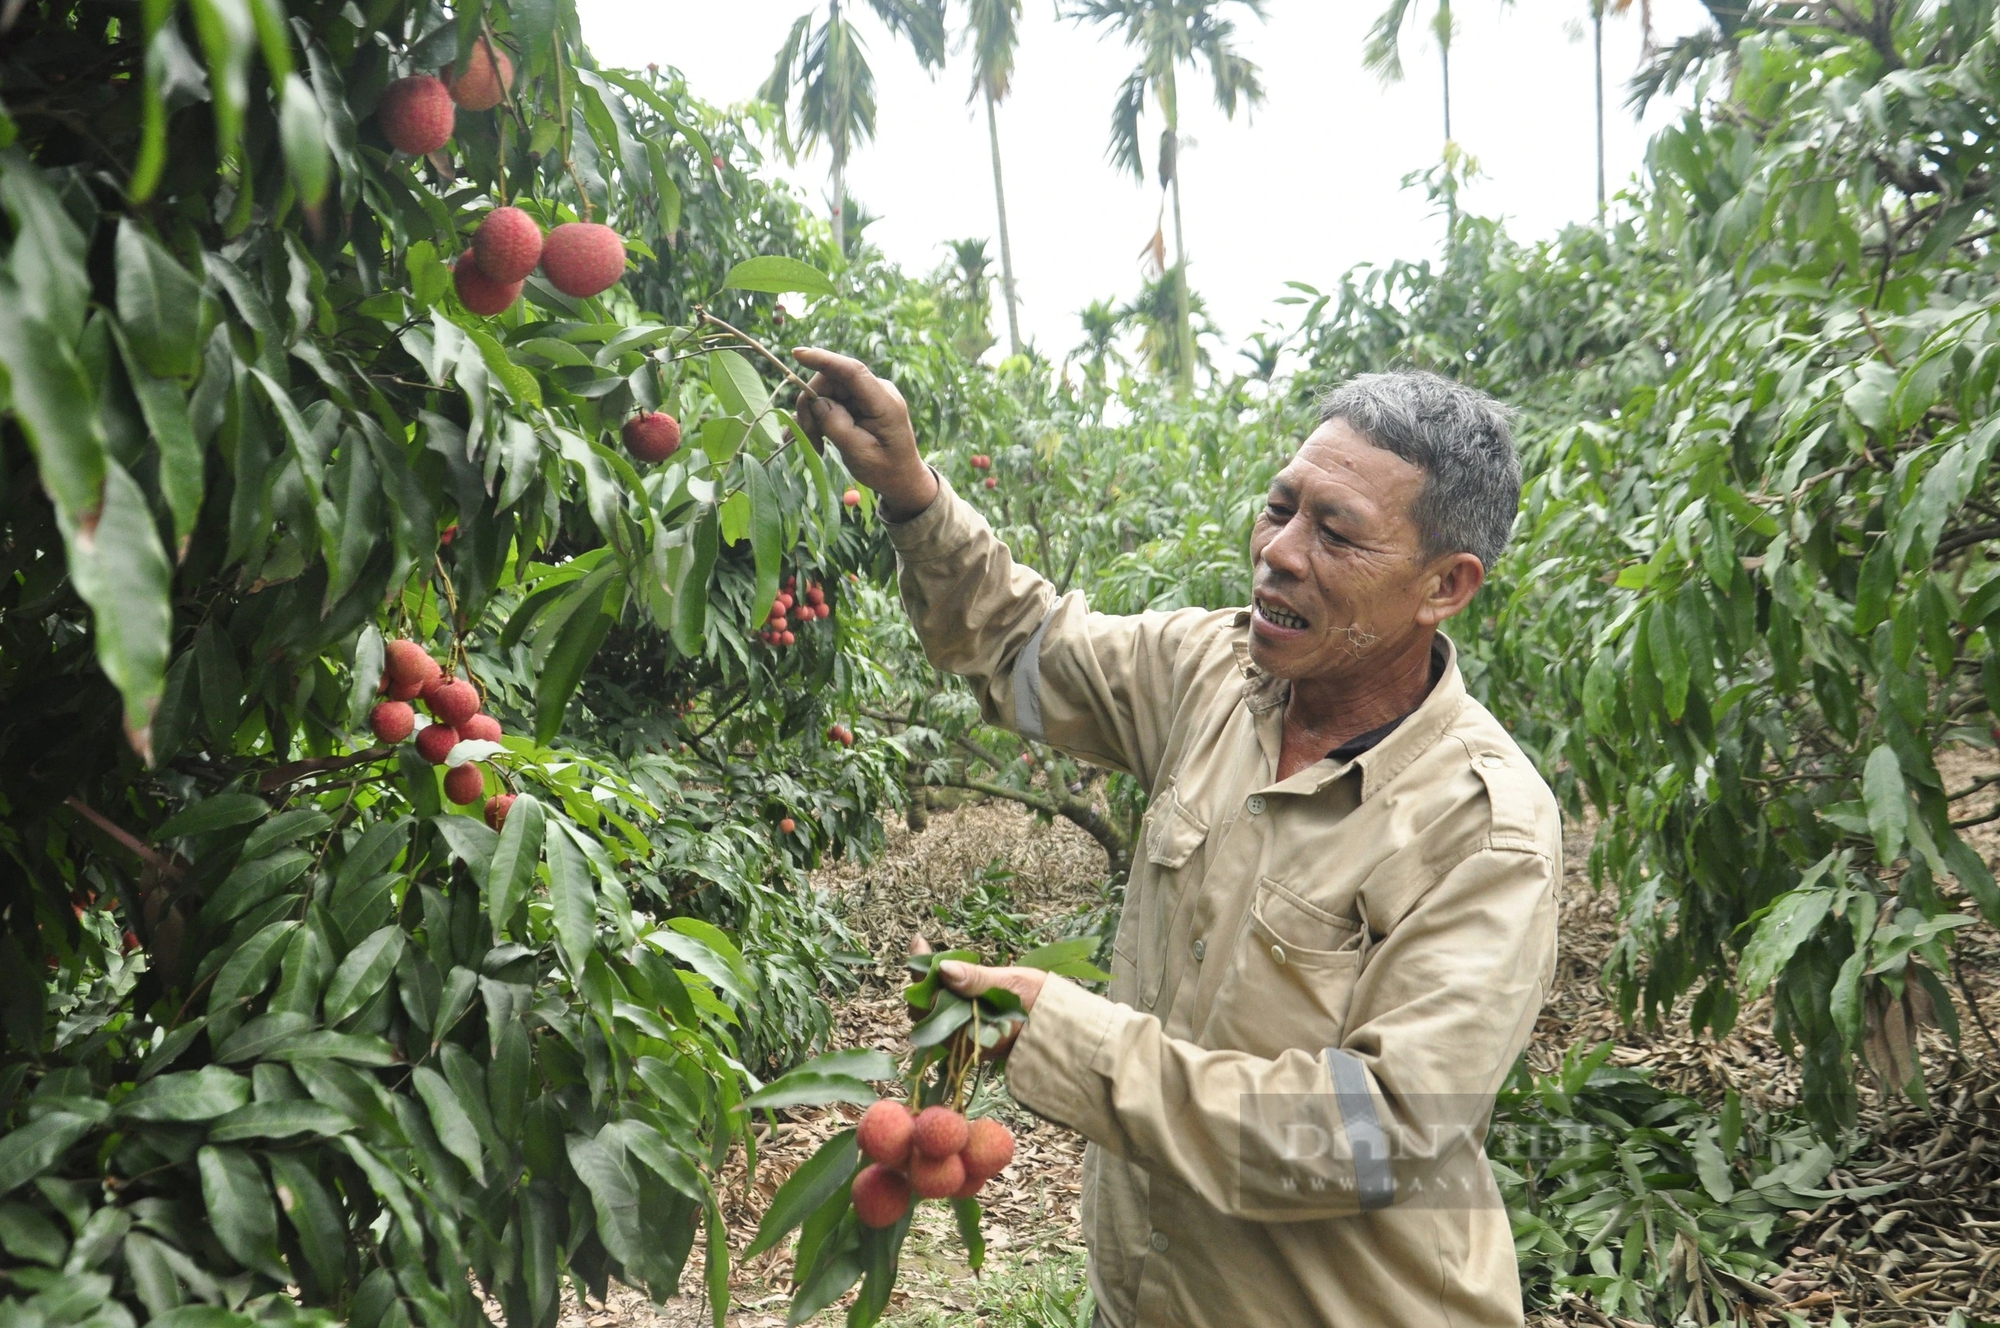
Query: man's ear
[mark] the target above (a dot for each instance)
(1454, 579)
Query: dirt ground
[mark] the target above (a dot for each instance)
(1912, 1257)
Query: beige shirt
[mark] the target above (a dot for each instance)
(1318, 984)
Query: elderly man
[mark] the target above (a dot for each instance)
(1341, 923)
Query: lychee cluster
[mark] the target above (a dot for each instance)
(409, 673)
(418, 114)
(934, 1154)
(580, 259)
(980, 461)
(841, 734)
(777, 629)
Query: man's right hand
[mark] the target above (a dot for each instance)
(867, 419)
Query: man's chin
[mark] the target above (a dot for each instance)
(1279, 659)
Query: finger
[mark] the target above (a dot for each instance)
(845, 368)
(918, 945)
(968, 979)
(847, 380)
(835, 421)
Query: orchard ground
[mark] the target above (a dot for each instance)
(1929, 1248)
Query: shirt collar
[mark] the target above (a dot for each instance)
(1395, 745)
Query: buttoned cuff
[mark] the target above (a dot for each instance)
(936, 532)
(1054, 1061)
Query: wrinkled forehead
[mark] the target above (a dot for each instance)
(1337, 470)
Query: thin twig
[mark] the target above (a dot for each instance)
(761, 349)
(151, 856)
(1880, 344)
(1972, 1003)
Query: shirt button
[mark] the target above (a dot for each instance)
(1256, 804)
(1277, 954)
(1492, 760)
(1160, 1241)
(1200, 949)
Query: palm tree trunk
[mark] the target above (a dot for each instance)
(1006, 246)
(840, 199)
(1597, 55)
(1184, 326)
(1444, 59)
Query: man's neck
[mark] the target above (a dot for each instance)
(1326, 711)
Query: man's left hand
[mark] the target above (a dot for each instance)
(976, 979)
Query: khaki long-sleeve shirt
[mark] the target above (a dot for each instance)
(1318, 984)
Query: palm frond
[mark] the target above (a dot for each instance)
(1235, 77)
(1125, 112)
(1673, 65)
(993, 30)
(1383, 51)
(920, 23)
(777, 89)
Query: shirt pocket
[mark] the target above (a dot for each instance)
(1291, 979)
(1173, 836)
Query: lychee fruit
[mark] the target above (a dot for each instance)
(787, 826)
(507, 245)
(992, 483)
(940, 1132)
(881, 1196)
(480, 728)
(479, 293)
(436, 741)
(583, 258)
(453, 701)
(973, 1184)
(405, 661)
(463, 784)
(787, 638)
(651, 437)
(989, 1147)
(936, 1177)
(487, 76)
(416, 115)
(392, 721)
(981, 461)
(852, 497)
(885, 1133)
(497, 807)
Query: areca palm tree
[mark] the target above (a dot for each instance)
(823, 68)
(1169, 34)
(993, 30)
(1598, 9)
(1383, 52)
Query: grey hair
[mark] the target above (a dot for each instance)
(1462, 440)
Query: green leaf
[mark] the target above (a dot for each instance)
(120, 569)
(29, 1151)
(806, 1088)
(364, 972)
(733, 516)
(253, 883)
(776, 275)
(1670, 660)
(195, 1095)
(302, 130)
(165, 407)
(966, 1212)
(211, 814)
(312, 1212)
(264, 1035)
(159, 304)
(1786, 925)
(368, 659)
(472, 842)
(562, 671)
(690, 588)
(453, 1124)
(227, 34)
(1875, 588)
(513, 868)
(767, 536)
(240, 1209)
(245, 974)
(951, 1014)
(278, 1119)
(741, 392)
(1711, 1166)
(818, 1180)
(573, 896)
(1888, 802)
(856, 1063)
(26, 1234)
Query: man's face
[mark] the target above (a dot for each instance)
(1339, 572)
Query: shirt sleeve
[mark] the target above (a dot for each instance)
(1398, 1110)
(1098, 686)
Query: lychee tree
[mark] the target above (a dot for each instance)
(306, 1014)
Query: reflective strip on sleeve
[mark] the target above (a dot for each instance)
(1028, 685)
(1373, 1180)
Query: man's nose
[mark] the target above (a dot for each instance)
(1286, 551)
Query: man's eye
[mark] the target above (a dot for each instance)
(1277, 511)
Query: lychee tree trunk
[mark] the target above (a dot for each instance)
(1006, 245)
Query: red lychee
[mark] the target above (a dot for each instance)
(981, 461)
(481, 728)
(881, 1196)
(497, 807)
(463, 784)
(940, 1132)
(992, 483)
(885, 1133)
(488, 74)
(406, 661)
(582, 258)
(786, 826)
(852, 497)
(416, 115)
(507, 245)
(787, 638)
(936, 1177)
(479, 293)
(392, 721)
(973, 1185)
(453, 701)
(989, 1147)
(435, 742)
(652, 437)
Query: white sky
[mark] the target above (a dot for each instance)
(1303, 191)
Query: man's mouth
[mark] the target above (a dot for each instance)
(1278, 616)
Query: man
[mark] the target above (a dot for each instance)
(1341, 921)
